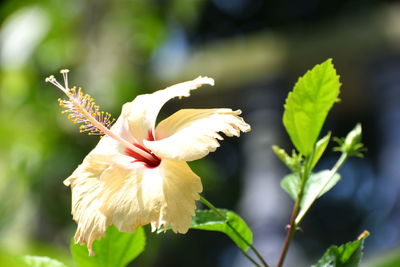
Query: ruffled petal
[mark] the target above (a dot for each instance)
(191, 134)
(106, 150)
(132, 197)
(86, 186)
(142, 112)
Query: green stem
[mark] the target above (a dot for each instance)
(339, 163)
(213, 208)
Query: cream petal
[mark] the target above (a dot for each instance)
(86, 186)
(136, 196)
(191, 134)
(142, 112)
(107, 149)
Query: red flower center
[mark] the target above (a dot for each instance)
(150, 163)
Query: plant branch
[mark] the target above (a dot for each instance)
(213, 208)
(289, 235)
(305, 173)
(296, 208)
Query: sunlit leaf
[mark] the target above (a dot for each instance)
(210, 221)
(308, 105)
(115, 249)
(317, 184)
(347, 255)
(320, 148)
(38, 261)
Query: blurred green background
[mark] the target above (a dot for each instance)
(255, 50)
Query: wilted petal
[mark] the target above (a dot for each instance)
(135, 196)
(191, 134)
(142, 112)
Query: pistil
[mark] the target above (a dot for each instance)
(154, 162)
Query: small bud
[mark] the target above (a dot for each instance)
(292, 162)
(351, 144)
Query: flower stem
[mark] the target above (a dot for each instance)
(213, 208)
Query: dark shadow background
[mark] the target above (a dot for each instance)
(255, 50)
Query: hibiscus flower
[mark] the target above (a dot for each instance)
(138, 172)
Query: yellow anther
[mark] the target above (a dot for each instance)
(81, 108)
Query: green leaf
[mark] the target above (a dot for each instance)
(115, 249)
(308, 105)
(291, 183)
(319, 149)
(347, 255)
(38, 261)
(210, 221)
(317, 185)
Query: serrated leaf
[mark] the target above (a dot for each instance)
(347, 255)
(308, 105)
(115, 249)
(210, 221)
(320, 148)
(39, 261)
